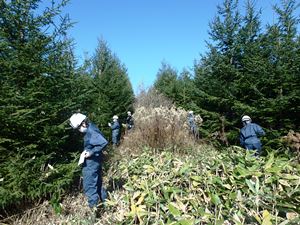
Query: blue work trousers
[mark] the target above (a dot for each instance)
(254, 146)
(92, 181)
(115, 137)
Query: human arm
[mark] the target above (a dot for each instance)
(259, 131)
(95, 144)
(130, 121)
(115, 126)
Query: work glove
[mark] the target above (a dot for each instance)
(109, 124)
(82, 158)
(87, 154)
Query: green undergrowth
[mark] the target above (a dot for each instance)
(203, 186)
(27, 181)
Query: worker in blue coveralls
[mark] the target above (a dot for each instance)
(249, 135)
(94, 143)
(192, 124)
(129, 121)
(115, 127)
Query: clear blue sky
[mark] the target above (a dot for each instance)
(143, 33)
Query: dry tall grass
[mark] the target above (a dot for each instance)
(74, 211)
(293, 141)
(159, 125)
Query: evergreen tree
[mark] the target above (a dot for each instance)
(112, 92)
(217, 71)
(252, 59)
(166, 81)
(38, 94)
(186, 90)
(281, 100)
(250, 72)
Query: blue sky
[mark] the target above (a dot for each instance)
(143, 33)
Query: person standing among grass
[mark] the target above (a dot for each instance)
(129, 121)
(249, 135)
(115, 127)
(94, 143)
(192, 124)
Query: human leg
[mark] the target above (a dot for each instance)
(90, 182)
(255, 147)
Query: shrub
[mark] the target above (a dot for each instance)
(206, 187)
(159, 124)
(292, 139)
(160, 128)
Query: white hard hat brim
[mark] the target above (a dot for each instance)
(76, 119)
(246, 118)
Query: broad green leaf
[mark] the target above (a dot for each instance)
(219, 222)
(141, 199)
(128, 187)
(186, 222)
(239, 196)
(266, 218)
(227, 186)
(237, 220)
(215, 199)
(195, 184)
(287, 205)
(275, 169)
(217, 180)
(290, 177)
(196, 178)
(184, 169)
(250, 185)
(269, 162)
(173, 210)
(284, 183)
(148, 168)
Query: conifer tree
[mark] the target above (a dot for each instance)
(252, 60)
(166, 81)
(217, 71)
(112, 92)
(186, 90)
(247, 71)
(282, 91)
(37, 96)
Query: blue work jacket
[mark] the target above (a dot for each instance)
(115, 128)
(250, 134)
(94, 141)
(191, 121)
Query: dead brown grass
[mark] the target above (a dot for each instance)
(160, 128)
(158, 125)
(292, 139)
(74, 211)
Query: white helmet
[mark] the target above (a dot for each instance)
(191, 112)
(115, 117)
(246, 118)
(76, 119)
